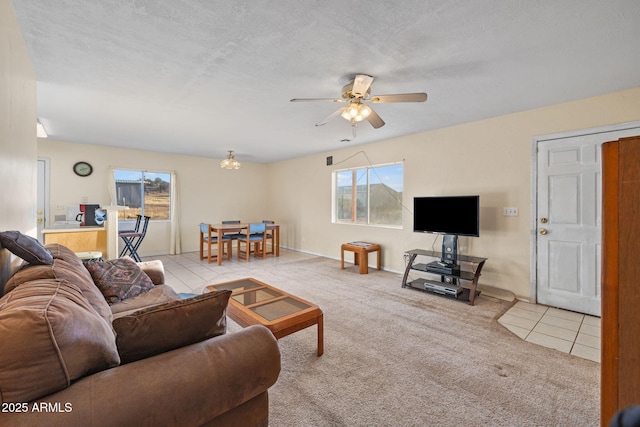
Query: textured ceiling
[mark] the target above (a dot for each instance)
(200, 77)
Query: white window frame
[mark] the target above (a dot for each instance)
(367, 169)
(143, 172)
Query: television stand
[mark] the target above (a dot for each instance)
(449, 283)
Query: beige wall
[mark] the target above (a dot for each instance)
(17, 133)
(207, 193)
(491, 158)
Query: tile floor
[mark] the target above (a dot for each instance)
(187, 273)
(566, 331)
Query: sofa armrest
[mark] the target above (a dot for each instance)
(154, 269)
(187, 386)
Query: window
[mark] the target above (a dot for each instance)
(146, 193)
(369, 195)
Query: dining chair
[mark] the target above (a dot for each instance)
(133, 238)
(257, 235)
(232, 235)
(270, 236)
(209, 238)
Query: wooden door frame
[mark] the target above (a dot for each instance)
(535, 142)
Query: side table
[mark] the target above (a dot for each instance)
(360, 254)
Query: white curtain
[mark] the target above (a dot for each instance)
(175, 245)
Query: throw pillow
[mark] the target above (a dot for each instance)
(164, 327)
(25, 247)
(119, 279)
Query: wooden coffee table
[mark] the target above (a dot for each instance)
(253, 302)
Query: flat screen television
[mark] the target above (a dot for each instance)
(457, 215)
(451, 216)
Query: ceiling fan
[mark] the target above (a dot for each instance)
(357, 93)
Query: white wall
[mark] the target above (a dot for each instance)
(491, 158)
(17, 133)
(207, 193)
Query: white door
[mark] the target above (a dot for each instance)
(568, 220)
(43, 197)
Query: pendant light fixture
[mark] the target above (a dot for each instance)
(230, 162)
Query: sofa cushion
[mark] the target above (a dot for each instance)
(160, 294)
(50, 337)
(119, 279)
(25, 247)
(66, 266)
(165, 327)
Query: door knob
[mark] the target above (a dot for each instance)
(543, 231)
(544, 220)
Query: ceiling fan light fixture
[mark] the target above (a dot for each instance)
(352, 110)
(356, 112)
(230, 162)
(355, 93)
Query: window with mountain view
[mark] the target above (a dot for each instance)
(369, 195)
(145, 193)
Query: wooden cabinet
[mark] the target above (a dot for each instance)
(620, 382)
(81, 239)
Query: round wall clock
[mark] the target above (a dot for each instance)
(83, 169)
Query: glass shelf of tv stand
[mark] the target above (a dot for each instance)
(435, 254)
(470, 291)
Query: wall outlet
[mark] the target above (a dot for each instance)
(84, 199)
(510, 211)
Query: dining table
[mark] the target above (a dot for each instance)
(221, 229)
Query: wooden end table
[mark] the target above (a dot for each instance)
(360, 254)
(253, 302)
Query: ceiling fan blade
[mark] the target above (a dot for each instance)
(375, 120)
(400, 97)
(331, 117)
(361, 85)
(317, 99)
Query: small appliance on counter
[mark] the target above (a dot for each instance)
(89, 215)
(84, 215)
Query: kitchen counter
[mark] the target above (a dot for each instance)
(57, 228)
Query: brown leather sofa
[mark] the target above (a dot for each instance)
(63, 367)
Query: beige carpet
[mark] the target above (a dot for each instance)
(400, 357)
